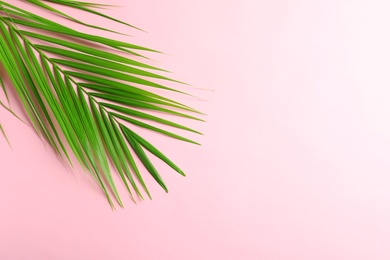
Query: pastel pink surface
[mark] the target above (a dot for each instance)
(295, 157)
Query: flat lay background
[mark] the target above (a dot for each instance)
(295, 157)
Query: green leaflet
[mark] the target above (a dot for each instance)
(4, 89)
(101, 62)
(143, 157)
(152, 149)
(84, 6)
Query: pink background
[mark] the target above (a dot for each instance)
(295, 157)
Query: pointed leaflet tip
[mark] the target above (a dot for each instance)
(5, 136)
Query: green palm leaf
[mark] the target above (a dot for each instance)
(89, 98)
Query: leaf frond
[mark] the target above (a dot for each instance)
(89, 95)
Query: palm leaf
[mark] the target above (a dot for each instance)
(90, 99)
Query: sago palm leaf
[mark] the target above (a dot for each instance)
(83, 96)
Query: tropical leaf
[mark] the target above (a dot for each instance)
(90, 93)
